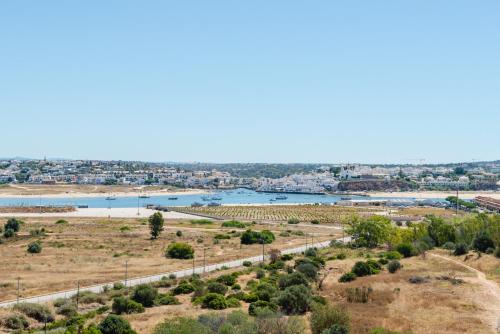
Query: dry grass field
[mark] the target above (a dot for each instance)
(305, 213)
(95, 250)
(436, 306)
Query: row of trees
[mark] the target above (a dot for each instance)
(480, 232)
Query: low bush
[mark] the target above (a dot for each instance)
(482, 242)
(222, 237)
(460, 249)
(234, 223)
(309, 270)
(315, 221)
(260, 305)
(38, 312)
(293, 221)
(394, 266)
(347, 277)
(122, 305)
(286, 257)
(16, 321)
(183, 288)
(144, 294)
(178, 233)
(202, 222)
(383, 261)
(323, 317)
(13, 224)
(214, 301)
(34, 247)
(336, 329)
(61, 222)
(68, 309)
(367, 268)
(393, 255)
(250, 237)
(295, 299)
(114, 324)
(260, 274)
(406, 249)
(497, 252)
(417, 280)
(311, 252)
(179, 250)
(216, 287)
(88, 297)
(341, 256)
(167, 300)
(228, 280)
(449, 245)
(233, 302)
(247, 263)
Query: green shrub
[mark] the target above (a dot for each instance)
(250, 237)
(250, 298)
(247, 263)
(260, 274)
(38, 312)
(222, 237)
(88, 297)
(286, 257)
(341, 256)
(315, 221)
(260, 305)
(234, 223)
(293, 221)
(16, 321)
(9, 233)
(233, 302)
(336, 329)
(183, 288)
(228, 280)
(216, 287)
(114, 324)
(61, 222)
(178, 233)
(13, 224)
(482, 242)
(324, 317)
(393, 255)
(383, 261)
(214, 301)
(449, 245)
(497, 252)
(167, 300)
(265, 291)
(460, 249)
(179, 250)
(295, 299)
(145, 294)
(406, 249)
(34, 247)
(347, 277)
(309, 270)
(367, 268)
(127, 306)
(311, 252)
(394, 266)
(202, 222)
(68, 309)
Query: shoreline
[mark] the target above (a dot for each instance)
(77, 194)
(435, 194)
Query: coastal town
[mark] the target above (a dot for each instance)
(316, 179)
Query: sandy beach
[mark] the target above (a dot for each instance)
(436, 194)
(85, 191)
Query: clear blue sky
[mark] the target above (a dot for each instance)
(251, 81)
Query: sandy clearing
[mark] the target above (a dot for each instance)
(491, 304)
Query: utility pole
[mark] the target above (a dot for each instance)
(306, 240)
(204, 258)
(18, 288)
(138, 199)
(126, 272)
(263, 257)
(193, 264)
(457, 201)
(77, 294)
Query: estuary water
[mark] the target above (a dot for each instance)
(235, 196)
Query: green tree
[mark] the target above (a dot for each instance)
(369, 232)
(179, 250)
(114, 324)
(295, 299)
(156, 224)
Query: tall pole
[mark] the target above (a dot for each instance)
(457, 201)
(306, 240)
(193, 264)
(263, 256)
(126, 272)
(138, 198)
(77, 294)
(18, 288)
(204, 258)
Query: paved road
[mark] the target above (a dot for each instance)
(154, 278)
